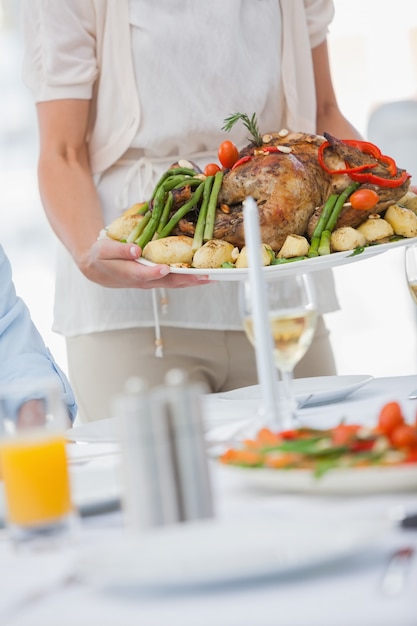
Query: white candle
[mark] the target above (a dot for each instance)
(267, 373)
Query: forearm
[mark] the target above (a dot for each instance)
(333, 121)
(70, 200)
(329, 118)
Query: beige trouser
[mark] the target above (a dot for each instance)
(100, 363)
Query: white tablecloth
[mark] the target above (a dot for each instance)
(39, 589)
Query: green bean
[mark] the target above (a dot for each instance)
(181, 212)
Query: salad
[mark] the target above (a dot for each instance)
(392, 441)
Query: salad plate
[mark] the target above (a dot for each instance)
(217, 552)
(337, 481)
(327, 261)
(312, 391)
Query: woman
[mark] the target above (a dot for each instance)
(123, 90)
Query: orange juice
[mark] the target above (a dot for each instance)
(36, 479)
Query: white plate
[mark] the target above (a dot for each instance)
(322, 389)
(295, 267)
(235, 405)
(216, 552)
(103, 431)
(215, 412)
(364, 480)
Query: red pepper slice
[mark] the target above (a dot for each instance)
(364, 146)
(358, 174)
(362, 446)
(289, 434)
(348, 170)
(240, 161)
(370, 148)
(361, 177)
(269, 149)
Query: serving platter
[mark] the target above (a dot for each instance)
(313, 264)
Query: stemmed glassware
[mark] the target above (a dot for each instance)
(292, 313)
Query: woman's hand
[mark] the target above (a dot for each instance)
(113, 264)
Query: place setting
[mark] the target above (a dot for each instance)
(164, 518)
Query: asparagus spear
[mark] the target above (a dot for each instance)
(195, 198)
(157, 209)
(321, 225)
(211, 209)
(324, 245)
(139, 227)
(166, 211)
(201, 221)
(169, 174)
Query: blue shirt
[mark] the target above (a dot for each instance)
(23, 353)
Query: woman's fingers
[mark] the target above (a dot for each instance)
(108, 267)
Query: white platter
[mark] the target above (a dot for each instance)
(217, 552)
(295, 267)
(354, 481)
(321, 389)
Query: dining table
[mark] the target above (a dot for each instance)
(272, 555)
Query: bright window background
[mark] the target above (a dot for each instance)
(373, 46)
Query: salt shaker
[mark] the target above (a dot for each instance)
(189, 456)
(164, 458)
(149, 485)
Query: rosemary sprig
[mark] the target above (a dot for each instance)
(250, 123)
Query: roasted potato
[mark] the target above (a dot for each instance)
(266, 252)
(123, 225)
(375, 229)
(294, 245)
(346, 238)
(409, 201)
(213, 254)
(169, 250)
(402, 220)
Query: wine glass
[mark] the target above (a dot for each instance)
(411, 270)
(292, 315)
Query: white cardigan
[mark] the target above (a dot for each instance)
(110, 66)
(87, 53)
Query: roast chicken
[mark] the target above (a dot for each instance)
(290, 188)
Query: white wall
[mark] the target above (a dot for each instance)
(373, 48)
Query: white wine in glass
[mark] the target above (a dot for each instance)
(292, 314)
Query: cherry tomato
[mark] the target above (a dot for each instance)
(211, 169)
(344, 434)
(390, 417)
(364, 199)
(404, 436)
(228, 154)
(411, 456)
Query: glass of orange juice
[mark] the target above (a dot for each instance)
(33, 461)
